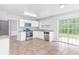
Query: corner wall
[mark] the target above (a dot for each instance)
(54, 21)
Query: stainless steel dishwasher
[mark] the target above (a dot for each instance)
(46, 36)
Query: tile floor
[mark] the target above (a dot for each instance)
(41, 47)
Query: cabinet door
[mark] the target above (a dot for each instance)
(23, 36)
(51, 36)
(34, 24)
(41, 35)
(35, 34)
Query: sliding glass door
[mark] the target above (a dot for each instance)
(69, 30)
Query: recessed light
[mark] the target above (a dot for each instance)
(30, 14)
(62, 5)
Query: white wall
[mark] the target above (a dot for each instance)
(13, 27)
(3, 15)
(67, 15)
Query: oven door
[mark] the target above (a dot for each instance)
(29, 35)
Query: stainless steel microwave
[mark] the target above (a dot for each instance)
(27, 25)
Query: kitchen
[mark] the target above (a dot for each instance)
(27, 26)
(35, 29)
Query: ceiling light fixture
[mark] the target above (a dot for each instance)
(30, 14)
(62, 5)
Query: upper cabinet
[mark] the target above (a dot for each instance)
(32, 23)
(35, 24)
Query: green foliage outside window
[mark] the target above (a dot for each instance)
(70, 26)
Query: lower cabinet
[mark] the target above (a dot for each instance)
(38, 34)
(35, 34)
(42, 35)
(21, 36)
(51, 36)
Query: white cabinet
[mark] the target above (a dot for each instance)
(35, 34)
(41, 34)
(23, 36)
(51, 36)
(35, 24)
(38, 34)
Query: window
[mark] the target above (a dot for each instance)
(70, 26)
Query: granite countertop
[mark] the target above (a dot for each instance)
(44, 30)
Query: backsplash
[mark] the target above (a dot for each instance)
(45, 26)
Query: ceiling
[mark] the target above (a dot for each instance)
(41, 10)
